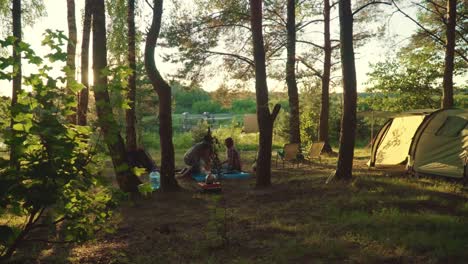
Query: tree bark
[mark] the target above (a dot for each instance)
(162, 88)
(348, 120)
(447, 101)
(16, 14)
(71, 50)
(264, 117)
(127, 181)
(130, 113)
(294, 119)
(84, 93)
(325, 99)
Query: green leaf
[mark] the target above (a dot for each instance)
(139, 171)
(19, 127)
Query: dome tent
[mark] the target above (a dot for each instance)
(392, 143)
(440, 145)
(427, 142)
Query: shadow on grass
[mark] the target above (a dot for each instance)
(375, 219)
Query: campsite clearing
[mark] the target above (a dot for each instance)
(380, 217)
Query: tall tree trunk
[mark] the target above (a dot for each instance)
(348, 119)
(294, 119)
(264, 117)
(84, 93)
(325, 100)
(71, 50)
(16, 13)
(130, 113)
(168, 181)
(447, 101)
(126, 179)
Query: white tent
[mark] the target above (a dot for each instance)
(250, 123)
(428, 143)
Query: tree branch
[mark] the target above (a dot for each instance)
(310, 67)
(279, 16)
(150, 5)
(310, 43)
(436, 5)
(275, 112)
(278, 48)
(335, 46)
(299, 26)
(462, 36)
(368, 4)
(223, 25)
(439, 14)
(239, 57)
(434, 36)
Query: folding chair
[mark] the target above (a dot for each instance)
(289, 153)
(316, 150)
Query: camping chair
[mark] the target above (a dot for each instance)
(289, 153)
(315, 151)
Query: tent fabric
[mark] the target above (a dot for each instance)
(250, 123)
(431, 142)
(440, 146)
(394, 146)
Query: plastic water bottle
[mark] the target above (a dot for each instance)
(155, 180)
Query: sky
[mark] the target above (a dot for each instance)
(398, 30)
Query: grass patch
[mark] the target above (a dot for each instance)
(375, 219)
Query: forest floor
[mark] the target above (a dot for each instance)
(381, 217)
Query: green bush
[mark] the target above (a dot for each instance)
(244, 106)
(185, 97)
(199, 131)
(281, 126)
(150, 140)
(51, 178)
(207, 106)
(183, 140)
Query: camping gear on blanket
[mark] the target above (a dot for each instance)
(201, 177)
(210, 178)
(236, 175)
(214, 187)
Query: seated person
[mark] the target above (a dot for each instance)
(233, 162)
(198, 158)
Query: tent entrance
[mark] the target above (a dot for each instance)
(395, 145)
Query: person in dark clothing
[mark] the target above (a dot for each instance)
(233, 162)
